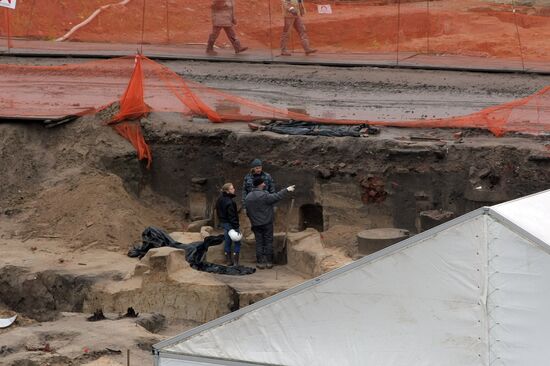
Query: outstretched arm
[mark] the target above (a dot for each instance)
(273, 198)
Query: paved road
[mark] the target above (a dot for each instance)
(364, 93)
(344, 92)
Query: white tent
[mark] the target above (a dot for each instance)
(473, 291)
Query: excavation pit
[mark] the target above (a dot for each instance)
(74, 199)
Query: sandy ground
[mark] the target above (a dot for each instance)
(68, 339)
(62, 341)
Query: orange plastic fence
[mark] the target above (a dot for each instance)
(142, 85)
(132, 107)
(454, 33)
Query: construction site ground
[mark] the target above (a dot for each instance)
(404, 59)
(467, 34)
(74, 198)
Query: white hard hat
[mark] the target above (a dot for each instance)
(235, 235)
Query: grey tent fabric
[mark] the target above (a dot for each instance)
(473, 291)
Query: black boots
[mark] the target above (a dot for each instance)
(232, 260)
(264, 263)
(228, 259)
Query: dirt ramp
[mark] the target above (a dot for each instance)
(79, 184)
(20, 146)
(34, 157)
(94, 210)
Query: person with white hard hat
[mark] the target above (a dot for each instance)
(226, 209)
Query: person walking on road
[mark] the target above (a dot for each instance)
(223, 17)
(293, 11)
(259, 208)
(226, 209)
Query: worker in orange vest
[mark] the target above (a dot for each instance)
(223, 17)
(293, 11)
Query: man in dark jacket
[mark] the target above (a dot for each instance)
(256, 171)
(226, 209)
(259, 208)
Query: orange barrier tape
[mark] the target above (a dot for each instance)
(142, 85)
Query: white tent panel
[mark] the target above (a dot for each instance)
(180, 360)
(164, 361)
(420, 305)
(475, 291)
(518, 299)
(531, 213)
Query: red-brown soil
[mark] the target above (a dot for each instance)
(471, 27)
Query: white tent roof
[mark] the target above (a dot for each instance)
(473, 291)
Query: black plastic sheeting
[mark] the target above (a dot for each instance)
(195, 253)
(316, 129)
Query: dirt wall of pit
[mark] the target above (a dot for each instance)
(82, 182)
(381, 181)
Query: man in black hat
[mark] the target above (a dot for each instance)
(256, 171)
(259, 208)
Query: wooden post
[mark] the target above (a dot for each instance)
(7, 17)
(398, 29)
(428, 27)
(167, 6)
(142, 26)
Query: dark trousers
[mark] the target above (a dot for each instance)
(226, 227)
(264, 242)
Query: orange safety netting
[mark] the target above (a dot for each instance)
(132, 107)
(143, 85)
(449, 33)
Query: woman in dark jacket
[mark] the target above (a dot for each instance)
(229, 219)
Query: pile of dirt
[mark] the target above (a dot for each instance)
(20, 145)
(94, 210)
(35, 157)
(78, 183)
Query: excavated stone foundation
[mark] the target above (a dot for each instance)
(75, 200)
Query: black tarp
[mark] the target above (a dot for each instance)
(195, 253)
(316, 129)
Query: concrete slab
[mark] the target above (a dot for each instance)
(373, 240)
